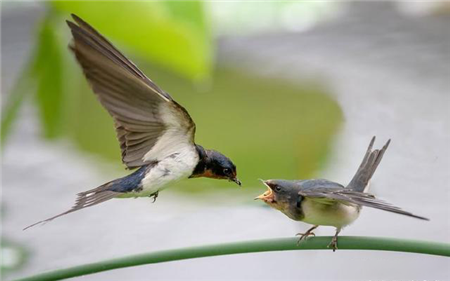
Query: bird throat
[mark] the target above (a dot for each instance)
(202, 169)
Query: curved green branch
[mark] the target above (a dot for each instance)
(282, 244)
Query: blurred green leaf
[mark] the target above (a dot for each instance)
(43, 74)
(49, 72)
(268, 127)
(174, 35)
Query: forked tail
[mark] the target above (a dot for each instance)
(86, 199)
(367, 168)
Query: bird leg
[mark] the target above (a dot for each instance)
(333, 242)
(154, 195)
(305, 235)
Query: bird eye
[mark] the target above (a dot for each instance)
(226, 171)
(277, 188)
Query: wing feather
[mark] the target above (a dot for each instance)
(109, 47)
(149, 124)
(350, 197)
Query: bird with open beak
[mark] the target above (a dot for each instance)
(322, 202)
(155, 133)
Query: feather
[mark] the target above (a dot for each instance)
(143, 113)
(85, 199)
(370, 162)
(346, 196)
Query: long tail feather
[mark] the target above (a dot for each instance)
(84, 200)
(371, 160)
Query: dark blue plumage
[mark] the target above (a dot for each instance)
(132, 182)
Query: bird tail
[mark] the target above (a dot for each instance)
(367, 168)
(86, 199)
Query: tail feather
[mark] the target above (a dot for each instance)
(84, 200)
(368, 166)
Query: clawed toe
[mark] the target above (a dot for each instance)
(333, 244)
(304, 236)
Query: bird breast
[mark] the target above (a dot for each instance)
(174, 167)
(336, 214)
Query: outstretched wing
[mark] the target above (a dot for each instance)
(150, 125)
(326, 195)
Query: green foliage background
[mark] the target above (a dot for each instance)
(269, 127)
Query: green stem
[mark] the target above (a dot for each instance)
(282, 244)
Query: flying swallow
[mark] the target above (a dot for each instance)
(322, 202)
(156, 134)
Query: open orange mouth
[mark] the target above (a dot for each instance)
(267, 196)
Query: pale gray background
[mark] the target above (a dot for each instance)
(390, 74)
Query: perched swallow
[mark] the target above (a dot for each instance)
(155, 133)
(322, 202)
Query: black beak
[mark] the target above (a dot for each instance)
(236, 180)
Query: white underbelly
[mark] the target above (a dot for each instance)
(338, 215)
(169, 170)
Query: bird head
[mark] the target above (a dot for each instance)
(221, 167)
(280, 194)
(215, 165)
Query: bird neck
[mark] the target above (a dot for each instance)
(202, 169)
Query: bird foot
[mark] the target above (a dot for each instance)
(305, 235)
(333, 244)
(154, 195)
